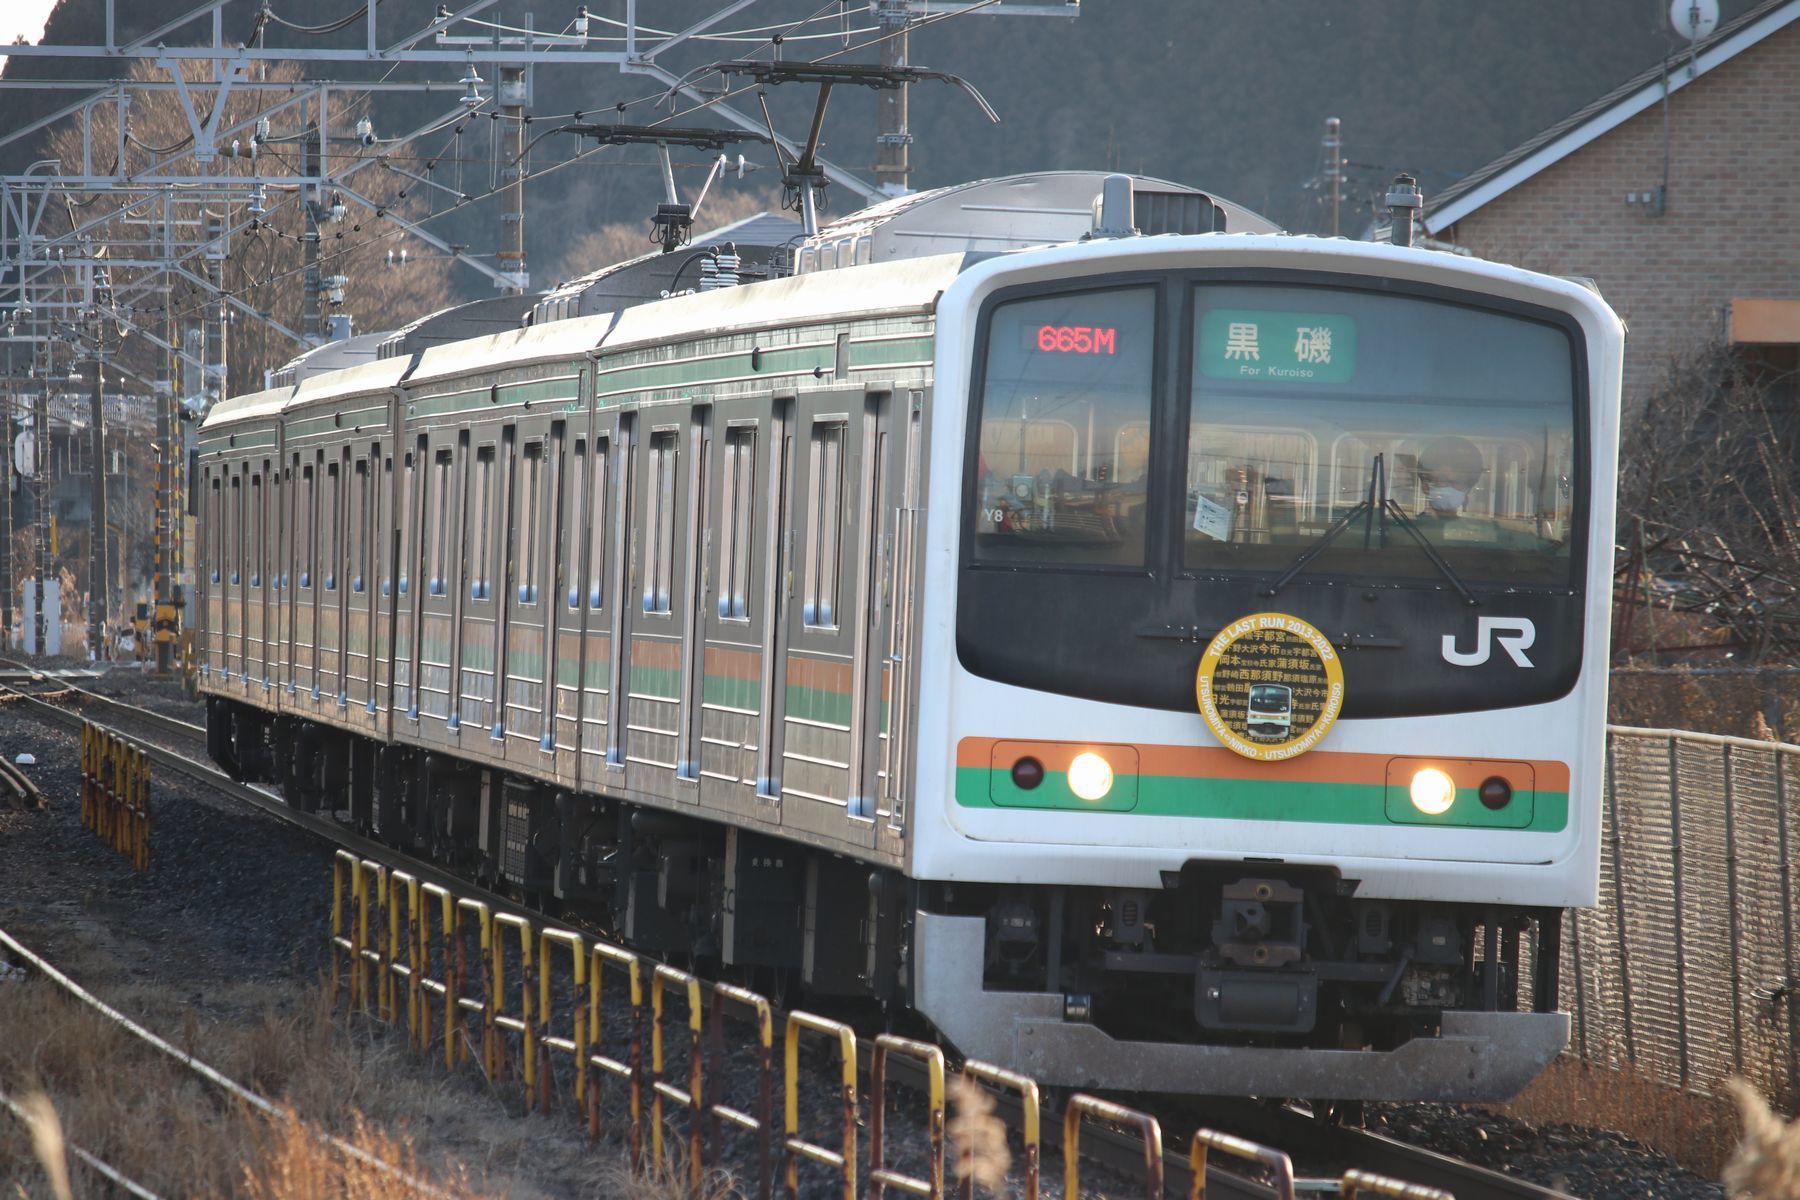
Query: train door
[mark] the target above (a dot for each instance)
(411, 580)
(695, 532)
(526, 669)
(439, 590)
(306, 562)
(359, 578)
(836, 475)
(384, 554)
(281, 576)
(478, 648)
(581, 492)
(610, 524)
(898, 669)
(657, 604)
(258, 600)
(232, 579)
(328, 675)
(742, 560)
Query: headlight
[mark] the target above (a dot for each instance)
(1433, 792)
(1090, 776)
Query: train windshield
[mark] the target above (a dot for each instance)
(1065, 432)
(1377, 435)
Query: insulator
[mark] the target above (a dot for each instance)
(581, 21)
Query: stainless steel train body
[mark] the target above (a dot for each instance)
(738, 616)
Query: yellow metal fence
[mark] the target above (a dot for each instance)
(115, 793)
(417, 956)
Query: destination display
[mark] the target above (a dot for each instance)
(1277, 347)
(1072, 339)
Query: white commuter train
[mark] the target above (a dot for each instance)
(1164, 662)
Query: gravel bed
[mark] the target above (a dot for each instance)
(1594, 1164)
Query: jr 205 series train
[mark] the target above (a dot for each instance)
(1163, 662)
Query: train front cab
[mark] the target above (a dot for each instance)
(1163, 439)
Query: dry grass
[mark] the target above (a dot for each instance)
(160, 1125)
(1696, 1131)
(978, 1148)
(1766, 1163)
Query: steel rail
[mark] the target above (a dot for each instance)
(163, 722)
(1114, 1150)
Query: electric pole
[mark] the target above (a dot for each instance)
(46, 524)
(97, 524)
(513, 95)
(1334, 168)
(893, 139)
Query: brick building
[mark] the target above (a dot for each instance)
(1678, 192)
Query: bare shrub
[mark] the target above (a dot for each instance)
(977, 1137)
(1708, 513)
(1766, 1163)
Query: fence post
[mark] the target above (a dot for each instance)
(576, 1043)
(881, 1177)
(400, 883)
(659, 1087)
(1279, 1166)
(1618, 849)
(1081, 1105)
(794, 1147)
(504, 1022)
(1678, 867)
(1733, 914)
(763, 1123)
(1788, 901)
(344, 955)
(631, 1068)
(484, 1004)
(446, 906)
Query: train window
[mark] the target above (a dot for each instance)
(597, 524)
(359, 529)
(482, 518)
(409, 523)
(531, 506)
(212, 530)
(1062, 455)
(256, 506)
(824, 523)
(1421, 420)
(381, 492)
(236, 534)
(331, 523)
(571, 552)
(309, 497)
(437, 505)
(740, 518)
(659, 523)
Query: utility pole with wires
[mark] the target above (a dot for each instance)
(1333, 146)
(893, 139)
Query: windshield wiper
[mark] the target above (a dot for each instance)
(1375, 506)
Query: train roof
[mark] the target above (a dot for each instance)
(267, 403)
(375, 375)
(515, 347)
(1012, 212)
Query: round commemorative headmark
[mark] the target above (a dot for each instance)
(1270, 686)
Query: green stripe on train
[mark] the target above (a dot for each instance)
(1260, 800)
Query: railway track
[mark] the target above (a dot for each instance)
(1126, 1153)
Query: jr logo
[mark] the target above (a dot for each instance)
(1515, 635)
